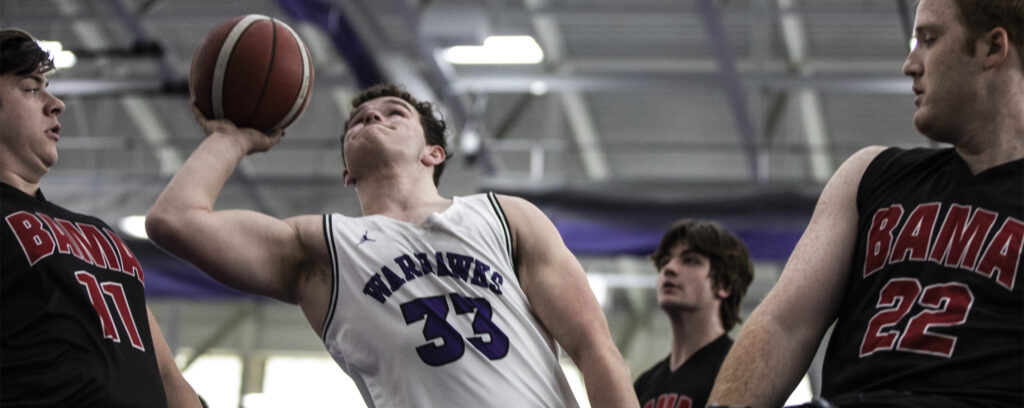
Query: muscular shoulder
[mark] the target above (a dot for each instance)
(313, 260)
(846, 180)
(534, 237)
(524, 218)
(310, 230)
(860, 160)
(519, 211)
(509, 202)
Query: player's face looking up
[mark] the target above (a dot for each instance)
(381, 132)
(390, 112)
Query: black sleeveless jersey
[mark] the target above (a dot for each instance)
(934, 302)
(74, 329)
(688, 386)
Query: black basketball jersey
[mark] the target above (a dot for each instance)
(74, 329)
(934, 302)
(688, 386)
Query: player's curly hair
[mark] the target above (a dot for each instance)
(731, 266)
(434, 127)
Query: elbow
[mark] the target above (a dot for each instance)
(160, 227)
(604, 355)
(800, 331)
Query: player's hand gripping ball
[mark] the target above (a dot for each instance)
(253, 70)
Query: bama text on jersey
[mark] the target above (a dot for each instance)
(963, 241)
(41, 236)
(670, 400)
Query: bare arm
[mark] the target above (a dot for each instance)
(246, 250)
(179, 393)
(557, 287)
(779, 339)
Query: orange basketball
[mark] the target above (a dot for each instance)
(253, 70)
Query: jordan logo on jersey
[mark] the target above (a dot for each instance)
(452, 265)
(366, 238)
(963, 240)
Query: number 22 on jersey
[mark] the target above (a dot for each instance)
(944, 305)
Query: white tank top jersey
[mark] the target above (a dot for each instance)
(432, 315)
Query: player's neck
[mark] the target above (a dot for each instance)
(999, 137)
(690, 333)
(403, 198)
(995, 143)
(15, 180)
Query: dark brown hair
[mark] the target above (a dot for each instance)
(731, 267)
(981, 16)
(20, 55)
(434, 126)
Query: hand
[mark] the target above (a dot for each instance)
(253, 140)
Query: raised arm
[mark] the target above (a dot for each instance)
(557, 288)
(179, 393)
(779, 339)
(246, 250)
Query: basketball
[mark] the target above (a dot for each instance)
(253, 70)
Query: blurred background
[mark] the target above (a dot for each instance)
(615, 117)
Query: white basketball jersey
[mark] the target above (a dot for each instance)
(432, 315)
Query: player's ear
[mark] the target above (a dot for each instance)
(722, 290)
(996, 44)
(347, 177)
(434, 155)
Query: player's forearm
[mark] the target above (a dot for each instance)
(195, 186)
(178, 391)
(606, 378)
(762, 367)
(199, 181)
(181, 396)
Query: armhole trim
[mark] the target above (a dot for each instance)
(872, 172)
(503, 221)
(332, 250)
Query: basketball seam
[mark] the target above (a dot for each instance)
(269, 72)
(224, 57)
(300, 99)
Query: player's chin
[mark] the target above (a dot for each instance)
(669, 303)
(923, 122)
(51, 159)
(929, 125)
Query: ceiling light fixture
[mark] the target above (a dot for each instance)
(511, 49)
(538, 88)
(61, 58)
(134, 226)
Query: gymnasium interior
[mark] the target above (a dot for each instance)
(623, 117)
